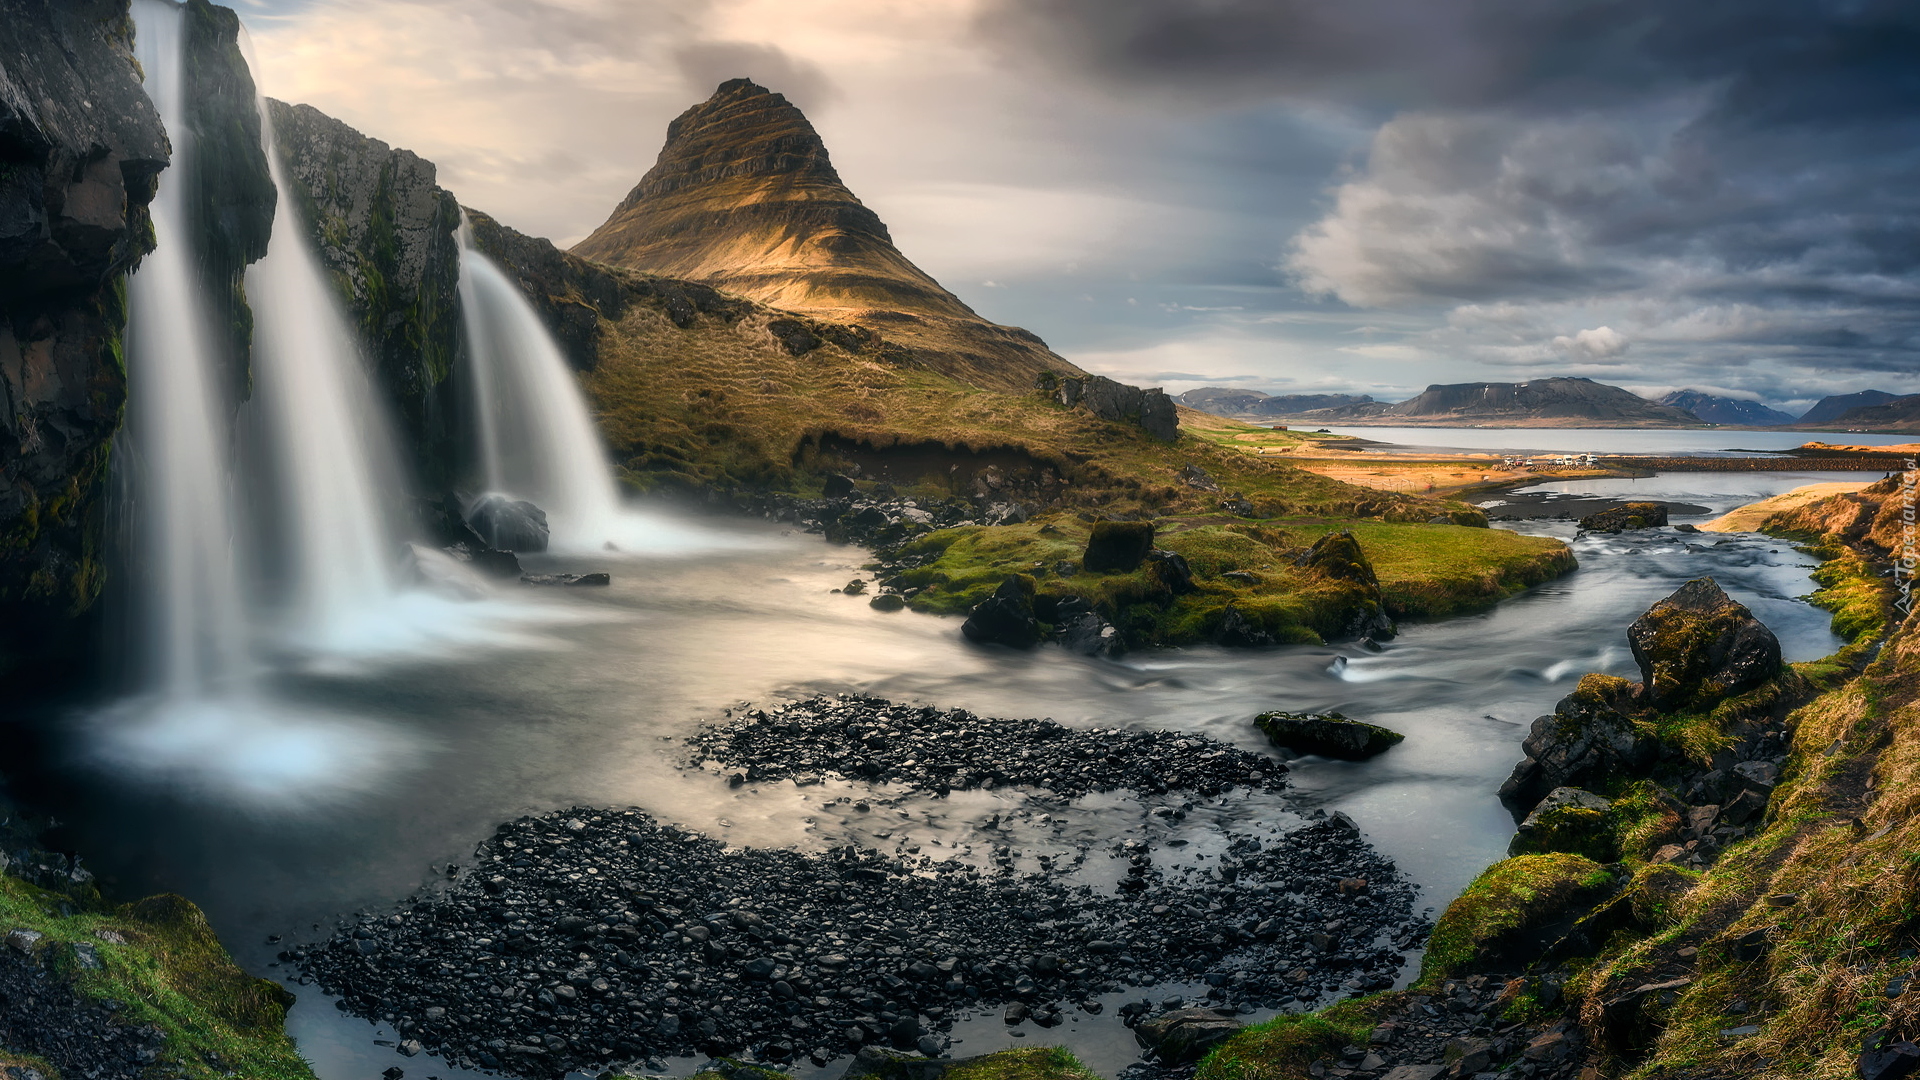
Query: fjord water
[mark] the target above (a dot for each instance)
(336, 476)
(590, 713)
(538, 441)
(1676, 442)
(193, 637)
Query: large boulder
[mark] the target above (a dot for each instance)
(1185, 1035)
(1569, 819)
(1081, 629)
(1588, 738)
(1514, 912)
(1626, 518)
(1169, 572)
(1327, 734)
(509, 524)
(1117, 547)
(1699, 646)
(1006, 617)
(1356, 608)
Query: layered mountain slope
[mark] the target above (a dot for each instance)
(744, 198)
(1558, 402)
(1898, 414)
(1222, 401)
(1834, 406)
(1725, 410)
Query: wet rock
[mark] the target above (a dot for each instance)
(1082, 631)
(1117, 547)
(1569, 819)
(1883, 1056)
(1237, 632)
(837, 486)
(1185, 1035)
(1006, 617)
(842, 930)
(886, 742)
(509, 524)
(1327, 734)
(587, 580)
(1626, 518)
(888, 602)
(1698, 647)
(1588, 739)
(1169, 572)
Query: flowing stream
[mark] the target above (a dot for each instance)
(588, 711)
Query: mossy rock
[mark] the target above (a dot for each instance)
(1698, 646)
(1643, 819)
(1571, 820)
(1337, 557)
(1026, 1063)
(1284, 1047)
(1627, 518)
(1117, 547)
(1327, 734)
(1513, 912)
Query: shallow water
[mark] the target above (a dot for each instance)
(406, 757)
(1685, 442)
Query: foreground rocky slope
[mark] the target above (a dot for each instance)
(745, 199)
(1727, 892)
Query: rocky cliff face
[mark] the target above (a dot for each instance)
(744, 197)
(80, 151)
(231, 212)
(386, 233)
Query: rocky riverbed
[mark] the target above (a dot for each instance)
(588, 938)
(941, 750)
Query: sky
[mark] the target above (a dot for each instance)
(1291, 196)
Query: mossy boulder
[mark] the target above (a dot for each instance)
(1117, 547)
(1185, 1035)
(1337, 557)
(1589, 739)
(1514, 912)
(1327, 734)
(1006, 617)
(1699, 646)
(878, 1063)
(1571, 820)
(1352, 585)
(1626, 518)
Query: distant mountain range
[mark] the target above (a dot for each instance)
(1557, 402)
(1726, 410)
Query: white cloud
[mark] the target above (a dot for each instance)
(1599, 343)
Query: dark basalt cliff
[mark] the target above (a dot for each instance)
(744, 197)
(386, 233)
(80, 150)
(231, 211)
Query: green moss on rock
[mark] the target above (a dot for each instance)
(1569, 820)
(1512, 912)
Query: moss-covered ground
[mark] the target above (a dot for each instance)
(164, 966)
(1796, 943)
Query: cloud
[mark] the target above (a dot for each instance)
(706, 64)
(1599, 343)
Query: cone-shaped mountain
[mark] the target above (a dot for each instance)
(745, 198)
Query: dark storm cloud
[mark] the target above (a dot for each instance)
(706, 64)
(1729, 185)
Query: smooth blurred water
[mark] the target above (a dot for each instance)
(582, 703)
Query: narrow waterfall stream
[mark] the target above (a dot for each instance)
(195, 637)
(538, 441)
(333, 451)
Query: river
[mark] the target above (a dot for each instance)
(394, 762)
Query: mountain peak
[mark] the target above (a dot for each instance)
(745, 198)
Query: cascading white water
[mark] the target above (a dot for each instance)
(332, 444)
(196, 627)
(538, 441)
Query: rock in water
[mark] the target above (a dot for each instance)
(509, 524)
(1588, 738)
(1699, 646)
(1006, 617)
(1185, 1035)
(1117, 547)
(1637, 515)
(1328, 734)
(566, 579)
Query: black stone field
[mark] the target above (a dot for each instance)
(589, 938)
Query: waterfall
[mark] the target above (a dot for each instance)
(537, 439)
(333, 450)
(195, 627)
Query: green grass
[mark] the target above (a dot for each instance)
(170, 971)
(1507, 900)
(1027, 1063)
(1283, 1048)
